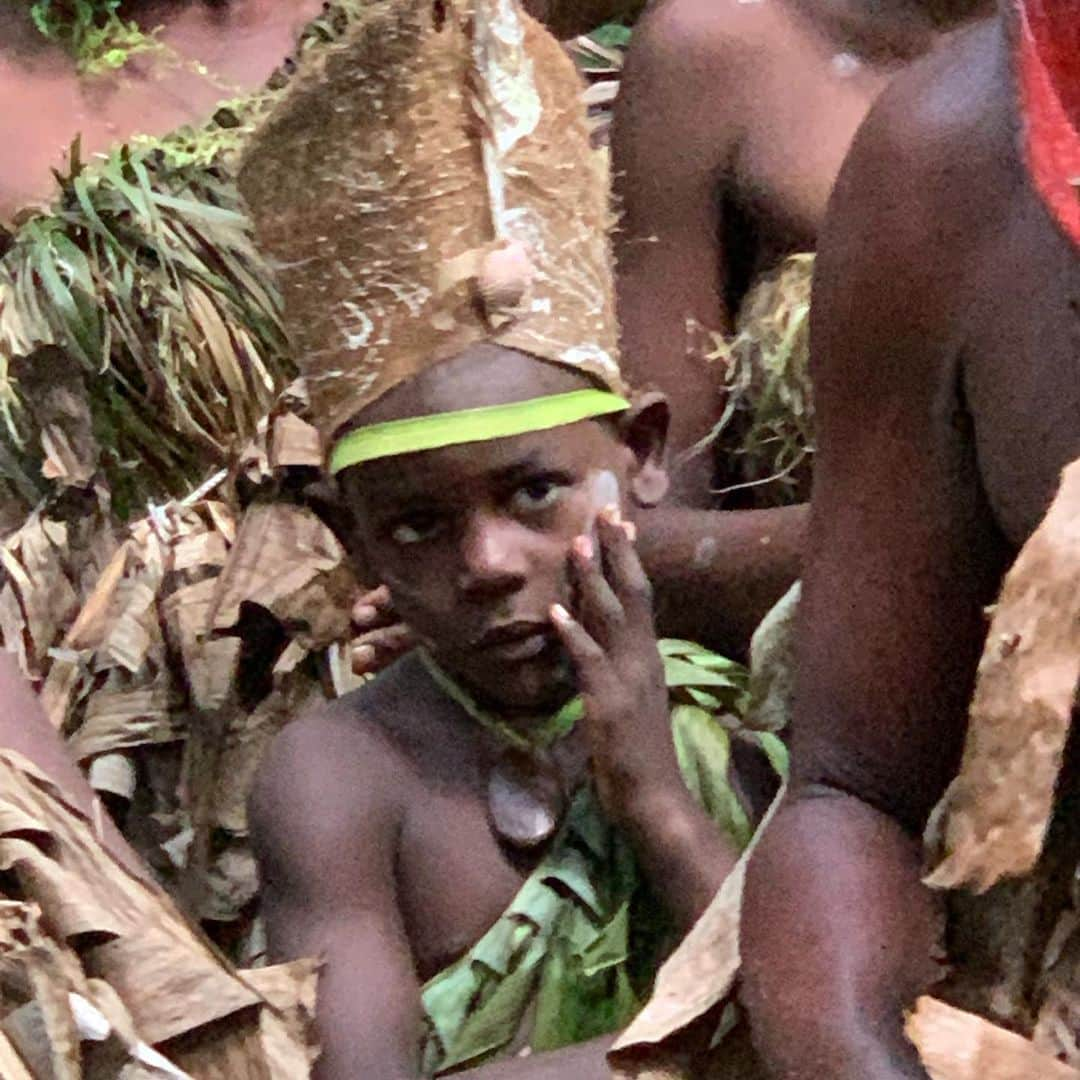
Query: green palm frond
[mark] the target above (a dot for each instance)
(144, 273)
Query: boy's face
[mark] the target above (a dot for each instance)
(473, 540)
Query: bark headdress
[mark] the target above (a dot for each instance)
(424, 186)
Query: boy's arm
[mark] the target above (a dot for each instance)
(611, 642)
(668, 156)
(902, 555)
(325, 821)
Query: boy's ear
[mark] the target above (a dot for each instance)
(644, 430)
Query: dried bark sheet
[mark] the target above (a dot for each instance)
(476, 104)
(957, 1045)
(993, 818)
(121, 946)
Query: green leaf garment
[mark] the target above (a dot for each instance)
(574, 955)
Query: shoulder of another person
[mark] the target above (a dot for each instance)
(713, 43)
(942, 136)
(918, 200)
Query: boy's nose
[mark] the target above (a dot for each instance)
(494, 559)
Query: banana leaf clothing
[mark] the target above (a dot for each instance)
(574, 954)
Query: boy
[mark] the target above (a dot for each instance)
(428, 191)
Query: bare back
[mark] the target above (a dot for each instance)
(733, 122)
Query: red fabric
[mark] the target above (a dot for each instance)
(1049, 70)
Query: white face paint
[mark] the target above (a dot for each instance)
(846, 65)
(603, 491)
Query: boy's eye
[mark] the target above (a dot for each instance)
(539, 493)
(415, 529)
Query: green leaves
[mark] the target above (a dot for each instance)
(611, 35)
(69, 21)
(145, 275)
(93, 33)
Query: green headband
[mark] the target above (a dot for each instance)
(417, 433)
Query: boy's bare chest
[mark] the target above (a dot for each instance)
(454, 879)
(454, 876)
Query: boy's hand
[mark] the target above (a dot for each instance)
(382, 637)
(612, 645)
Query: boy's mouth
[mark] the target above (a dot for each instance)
(512, 642)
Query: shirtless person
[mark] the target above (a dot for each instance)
(460, 355)
(946, 338)
(730, 128)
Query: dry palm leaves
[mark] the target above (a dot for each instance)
(955, 1045)
(765, 436)
(201, 631)
(1005, 828)
(993, 819)
(101, 977)
(145, 277)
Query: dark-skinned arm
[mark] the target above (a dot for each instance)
(716, 573)
(902, 555)
(326, 816)
(668, 157)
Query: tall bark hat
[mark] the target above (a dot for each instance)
(424, 186)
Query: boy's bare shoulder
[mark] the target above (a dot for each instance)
(350, 757)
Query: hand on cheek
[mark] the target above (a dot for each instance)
(612, 646)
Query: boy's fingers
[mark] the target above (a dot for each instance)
(379, 648)
(377, 597)
(393, 638)
(600, 610)
(588, 658)
(629, 583)
(372, 608)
